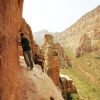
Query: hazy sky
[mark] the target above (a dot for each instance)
(55, 15)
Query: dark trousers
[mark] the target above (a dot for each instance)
(28, 58)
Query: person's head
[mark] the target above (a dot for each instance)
(22, 35)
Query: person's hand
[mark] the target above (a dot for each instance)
(18, 41)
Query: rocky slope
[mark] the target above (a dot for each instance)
(85, 73)
(83, 40)
(34, 85)
(84, 35)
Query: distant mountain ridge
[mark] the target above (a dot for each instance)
(39, 36)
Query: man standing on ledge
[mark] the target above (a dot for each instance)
(27, 52)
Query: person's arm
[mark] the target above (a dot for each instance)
(19, 42)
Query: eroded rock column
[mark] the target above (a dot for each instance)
(52, 60)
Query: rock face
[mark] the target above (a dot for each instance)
(84, 35)
(65, 61)
(67, 87)
(27, 29)
(85, 45)
(10, 22)
(17, 83)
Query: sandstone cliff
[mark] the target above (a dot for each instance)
(16, 83)
(84, 35)
(27, 29)
(10, 22)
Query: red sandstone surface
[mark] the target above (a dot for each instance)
(16, 82)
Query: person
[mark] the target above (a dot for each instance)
(27, 52)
